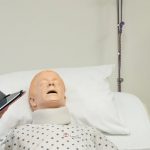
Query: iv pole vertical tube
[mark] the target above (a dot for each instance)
(120, 24)
(118, 46)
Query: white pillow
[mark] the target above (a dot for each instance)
(88, 96)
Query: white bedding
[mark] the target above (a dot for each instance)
(135, 116)
(136, 119)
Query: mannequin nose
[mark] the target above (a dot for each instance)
(51, 84)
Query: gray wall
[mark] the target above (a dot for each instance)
(136, 47)
(55, 33)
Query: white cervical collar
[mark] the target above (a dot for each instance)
(51, 115)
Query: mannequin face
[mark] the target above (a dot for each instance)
(47, 90)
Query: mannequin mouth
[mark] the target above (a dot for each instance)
(52, 92)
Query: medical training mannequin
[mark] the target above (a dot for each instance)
(52, 126)
(47, 90)
(47, 96)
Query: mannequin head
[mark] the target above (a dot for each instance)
(47, 90)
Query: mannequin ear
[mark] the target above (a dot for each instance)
(64, 100)
(32, 103)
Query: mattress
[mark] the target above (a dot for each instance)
(135, 116)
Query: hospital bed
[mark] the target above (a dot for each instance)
(130, 132)
(81, 26)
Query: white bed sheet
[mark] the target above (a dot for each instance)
(136, 119)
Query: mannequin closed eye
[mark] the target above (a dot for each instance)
(51, 91)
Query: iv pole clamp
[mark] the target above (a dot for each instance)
(120, 24)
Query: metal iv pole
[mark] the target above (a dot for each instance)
(120, 24)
